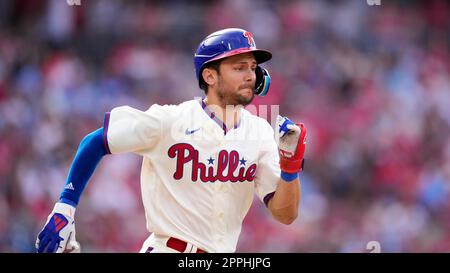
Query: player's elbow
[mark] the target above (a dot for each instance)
(286, 218)
(285, 215)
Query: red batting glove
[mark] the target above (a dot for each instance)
(292, 145)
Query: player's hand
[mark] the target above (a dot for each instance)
(291, 139)
(58, 234)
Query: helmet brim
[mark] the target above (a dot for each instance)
(261, 55)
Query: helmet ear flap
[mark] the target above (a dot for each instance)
(262, 81)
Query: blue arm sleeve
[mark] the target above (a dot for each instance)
(90, 152)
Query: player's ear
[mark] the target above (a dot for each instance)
(209, 76)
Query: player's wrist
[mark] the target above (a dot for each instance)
(67, 201)
(288, 177)
(64, 209)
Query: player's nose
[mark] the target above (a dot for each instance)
(250, 75)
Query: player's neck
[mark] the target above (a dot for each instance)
(229, 114)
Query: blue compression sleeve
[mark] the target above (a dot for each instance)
(90, 152)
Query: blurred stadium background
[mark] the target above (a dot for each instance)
(372, 83)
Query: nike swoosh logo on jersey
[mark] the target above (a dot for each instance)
(190, 132)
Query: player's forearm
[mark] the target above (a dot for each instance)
(291, 147)
(90, 152)
(284, 203)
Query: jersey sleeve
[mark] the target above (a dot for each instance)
(268, 171)
(127, 129)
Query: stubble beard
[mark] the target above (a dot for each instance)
(228, 97)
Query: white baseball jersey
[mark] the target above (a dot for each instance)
(198, 179)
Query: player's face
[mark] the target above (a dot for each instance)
(236, 81)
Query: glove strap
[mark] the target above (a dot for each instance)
(288, 177)
(291, 166)
(64, 209)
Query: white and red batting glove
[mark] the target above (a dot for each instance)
(291, 140)
(58, 234)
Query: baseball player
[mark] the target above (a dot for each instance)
(203, 160)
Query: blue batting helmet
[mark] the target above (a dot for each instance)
(228, 42)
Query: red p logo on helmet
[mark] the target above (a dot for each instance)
(249, 37)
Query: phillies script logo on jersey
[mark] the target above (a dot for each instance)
(186, 154)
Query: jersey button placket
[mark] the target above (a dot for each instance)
(219, 205)
(218, 221)
(220, 197)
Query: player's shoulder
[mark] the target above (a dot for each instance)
(159, 111)
(172, 108)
